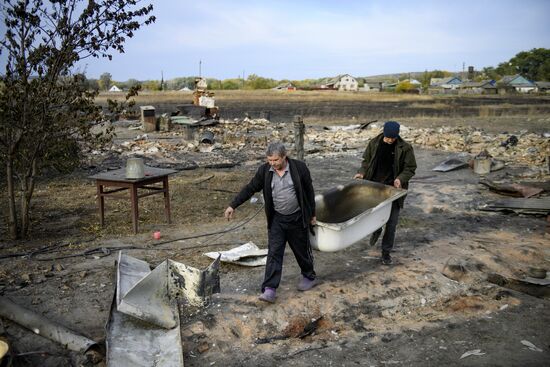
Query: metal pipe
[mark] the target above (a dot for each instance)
(44, 327)
(207, 137)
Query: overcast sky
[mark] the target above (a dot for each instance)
(295, 39)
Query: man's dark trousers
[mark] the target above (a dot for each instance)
(287, 228)
(391, 226)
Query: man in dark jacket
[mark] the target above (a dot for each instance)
(290, 209)
(390, 160)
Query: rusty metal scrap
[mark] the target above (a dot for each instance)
(520, 206)
(511, 189)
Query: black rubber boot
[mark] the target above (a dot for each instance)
(386, 258)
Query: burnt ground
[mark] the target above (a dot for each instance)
(492, 112)
(428, 309)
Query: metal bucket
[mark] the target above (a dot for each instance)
(482, 166)
(135, 168)
(207, 137)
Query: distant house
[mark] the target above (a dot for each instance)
(482, 87)
(372, 86)
(389, 86)
(343, 82)
(392, 87)
(414, 82)
(451, 82)
(515, 84)
(543, 87)
(285, 86)
(114, 88)
(185, 90)
(447, 85)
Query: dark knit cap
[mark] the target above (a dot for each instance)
(391, 129)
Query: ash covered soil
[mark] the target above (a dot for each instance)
(431, 307)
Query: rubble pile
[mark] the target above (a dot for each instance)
(233, 142)
(249, 133)
(529, 149)
(237, 141)
(522, 149)
(327, 141)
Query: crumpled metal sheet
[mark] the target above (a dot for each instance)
(450, 164)
(150, 295)
(144, 324)
(247, 255)
(142, 293)
(134, 343)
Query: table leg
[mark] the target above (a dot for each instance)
(101, 203)
(135, 212)
(166, 199)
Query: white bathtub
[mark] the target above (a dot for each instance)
(348, 213)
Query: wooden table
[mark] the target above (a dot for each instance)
(117, 178)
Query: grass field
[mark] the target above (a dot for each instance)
(253, 95)
(329, 95)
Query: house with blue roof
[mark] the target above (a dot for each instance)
(515, 84)
(447, 85)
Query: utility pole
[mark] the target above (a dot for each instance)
(243, 78)
(200, 68)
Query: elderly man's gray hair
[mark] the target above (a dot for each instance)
(276, 148)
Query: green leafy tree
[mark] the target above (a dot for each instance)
(257, 82)
(544, 72)
(214, 83)
(490, 73)
(46, 112)
(151, 85)
(533, 65)
(131, 83)
(440, 74)
(404, 87)
(505, 68)
(306, 83)
(231, 84)
(105, 81)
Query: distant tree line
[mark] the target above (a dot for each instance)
(534, 65)
(253, 81)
